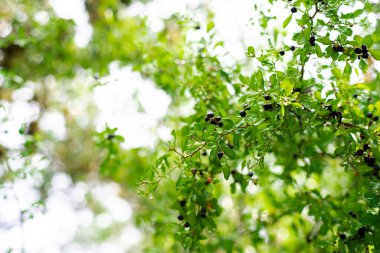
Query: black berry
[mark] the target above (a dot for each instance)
(207, 118)
(243, 113)
(250, 174)
(233, 172)
(180, 217)
(182, 202)
(369, 115)
(355, 96)
(292, 48)
(361, 232)
(220, 124)
(218, 118)
(267, 97)
(365, 55)
(369, 160)
(312, 40)
(352, 214)
(376, 118)
(186, 225)
(203, 210)
(220, 155)
(366, 147)
(110, 136)
(293, 9)
(210, 115)
(268, 107)
(204, 153)
(364, 49)
(358, 50)
(282, 52)
(342, 237)
(359, 152)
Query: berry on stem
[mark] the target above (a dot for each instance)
(282, 52)
(293, 9)
(292, 48)
(243, 113)
(180, 217)
(220, 155)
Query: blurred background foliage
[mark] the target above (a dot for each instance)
(272, 216)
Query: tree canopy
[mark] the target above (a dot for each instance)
(278, 152)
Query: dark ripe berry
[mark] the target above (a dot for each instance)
(110, 136)
(220, 155)
(210, 115)
(186, 225)
(376, 118)
(359, 152)
(182, 202)
(312, 40)
(358, 50)
(220, 124)
(250, 174)
(207, 118)
(233, 172)
(365, 55)
(208, 180)
(352, 214)
(361, 232)
(218, 118)
(362, 136)
(203, 210)
(204, 153)
(180, 217)
(364, 48)
(369, 115)
(293, 9)
(282, 52)
(340, 48)
(297, 90)
(342, 236)
(366, 147)
(213, 121)
(355, 96)
(369, 160)
(243, 113)
(292, 48)
(267, 97)
(268, 107)
(336, 47)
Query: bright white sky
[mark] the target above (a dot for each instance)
(55, 230)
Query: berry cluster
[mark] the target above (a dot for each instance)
(362, 52)
(214, 120)
(243, 113)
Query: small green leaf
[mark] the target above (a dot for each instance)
(226, 172)
(286, 22)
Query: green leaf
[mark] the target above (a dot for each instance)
(375, 54)
(251, 51)
(287, 85)
(287, 21)
(226, 172)
(229, 152)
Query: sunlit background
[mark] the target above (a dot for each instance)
(124, 100)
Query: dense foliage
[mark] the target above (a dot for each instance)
(278, 153)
